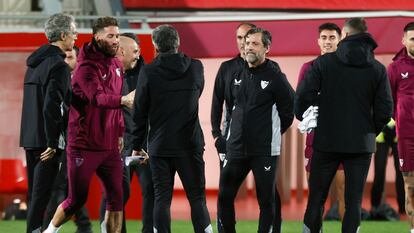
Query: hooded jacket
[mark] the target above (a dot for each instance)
(46, 90)
(167, 95)
(95, 116)
(263, 110)
(401, 75)
(352, 91)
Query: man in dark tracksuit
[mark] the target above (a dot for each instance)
(263, 110)
(222, 92)
(353, 94)
(129, 54)
(167, 95)
(46, 90)
(222, 96)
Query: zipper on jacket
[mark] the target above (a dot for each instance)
(246, 100)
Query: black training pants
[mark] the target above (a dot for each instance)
(190, 169)
(324, 167)
(41, 176)
(233, 173)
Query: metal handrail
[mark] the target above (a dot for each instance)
(238, 16)
(77, 17)
(241, 16)
(145, 28)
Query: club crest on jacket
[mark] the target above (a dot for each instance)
(264, 84)
(78, 161)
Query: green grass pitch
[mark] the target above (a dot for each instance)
(242, 227)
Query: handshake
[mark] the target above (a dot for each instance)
(128, 100)
(310, 120)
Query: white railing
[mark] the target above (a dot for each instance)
(34, 22)
(144, 18)
(243, 16)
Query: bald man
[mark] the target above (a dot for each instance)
(129, 55)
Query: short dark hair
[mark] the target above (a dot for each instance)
(409, 27)
(246, 24)
(330, 27)
(103, 22)
(131, 36)
(165, 39)
(266, 36)
(356, 25)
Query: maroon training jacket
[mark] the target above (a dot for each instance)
(401, 75)
(95, 116)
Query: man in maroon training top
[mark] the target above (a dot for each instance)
(96, 126)
(401, 74)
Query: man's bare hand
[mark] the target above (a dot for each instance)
(128, 100)
(141, 154)
(47, 154)
(120, 144)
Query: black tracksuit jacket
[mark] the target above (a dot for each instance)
(130, 84)
(263, 110)
(353, 93)
(222, 95)
(167, 95)
(46, 95)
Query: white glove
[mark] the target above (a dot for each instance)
(134, 159)
(310, 120)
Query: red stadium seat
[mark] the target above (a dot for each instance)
(13, 177)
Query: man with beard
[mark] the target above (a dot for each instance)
(167, 97)
(353, 94)
(96, 126)
(262, 112)
(46, 90)
(60, 189)
(129, 55)
(222, 97)
(401, 74)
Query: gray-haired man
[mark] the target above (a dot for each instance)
(46, 90)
